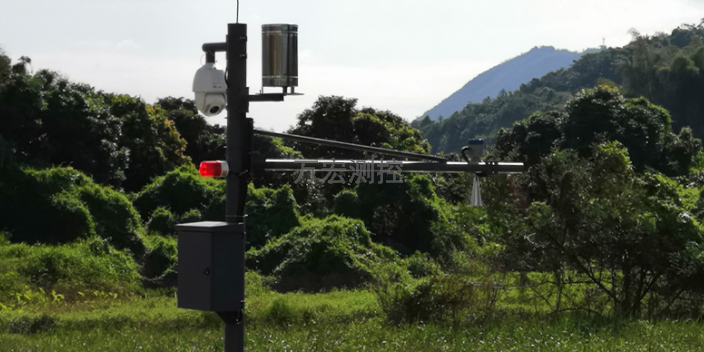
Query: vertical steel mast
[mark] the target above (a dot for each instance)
(211, 255)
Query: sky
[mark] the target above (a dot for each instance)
(399, 55)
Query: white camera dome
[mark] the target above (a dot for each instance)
(210, 88)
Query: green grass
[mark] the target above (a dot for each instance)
(335, 321)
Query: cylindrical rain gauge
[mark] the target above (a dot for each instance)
(280, 55)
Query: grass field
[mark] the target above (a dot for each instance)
(335, 321)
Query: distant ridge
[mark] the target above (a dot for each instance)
(507, 76)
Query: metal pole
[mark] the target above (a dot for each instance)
(341, 166)
(350, 146)
(238, 150)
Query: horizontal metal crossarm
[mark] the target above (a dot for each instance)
(350, 146)
(390, 166)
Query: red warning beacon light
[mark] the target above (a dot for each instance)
(217, 168)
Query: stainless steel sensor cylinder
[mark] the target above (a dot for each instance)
(280, 55)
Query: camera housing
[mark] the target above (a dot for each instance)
(210, 89)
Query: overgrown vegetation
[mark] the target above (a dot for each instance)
(663, 68)
(601, 238)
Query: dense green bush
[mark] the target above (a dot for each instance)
(192, 215)
(421, 265)
(346, 203)
(86, 265)
(183, 195)
(321, 254)
(114, 216)
(180, 190)
(60, 205)
(409, 217)
(160, 259)
(467, 295)
(270, 214)
(161, 221)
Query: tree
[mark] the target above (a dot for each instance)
(49, 120)
(154, 144)
(531, 139)
(599, 115)
(338, 118)
(409, 217)
(628, 235)
(203, 141)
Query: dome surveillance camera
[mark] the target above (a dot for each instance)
(210, 88)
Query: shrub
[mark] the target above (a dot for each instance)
(41, 206)
(60, 205)
(346, 203)
(180, 190)
(410, 217)
(4, 238)
(190, 197)
(86, 265)
(321, 254)
(465, 296)
(159, 265)
(114, 216)
(162, 221)
(192, 215)
(255, 284)
(421, 265)
(271, 213)
(280, 312)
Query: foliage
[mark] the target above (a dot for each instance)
(339, 119)
(60, 205)
(162, 221)
(421, 265)
(182, 195)
(49, 120)
(631, 236)
(465, 296)
(483, 120)
(160, 261)
(409, 217)
(90, 264)
(271, 213)
(203, 141)
(599, 115)
(663, 68)
(179, 190)
(320, 254)
(154, 143)
(118, 140)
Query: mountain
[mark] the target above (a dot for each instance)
(483, 120)
(507, 76)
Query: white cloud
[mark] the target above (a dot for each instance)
(401, 55)
(120, 69)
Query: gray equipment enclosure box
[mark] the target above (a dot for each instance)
(209, 270)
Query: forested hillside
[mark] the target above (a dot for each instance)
(506, 76)
(663, 68)
(601, 235)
